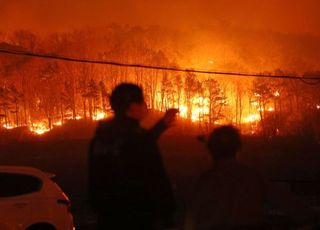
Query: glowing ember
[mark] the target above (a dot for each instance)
(318, 107)
(276, 94)
(58, 123)
(99, 116)
(183, 111)
(252, 118)
(218, 122)
(255, 103)
(78, 117)
(270, 109)
(8, 126)
(39, 128)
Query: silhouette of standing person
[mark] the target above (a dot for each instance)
(232, 196)
(128, 185)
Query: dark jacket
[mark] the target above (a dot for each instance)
(126, 169)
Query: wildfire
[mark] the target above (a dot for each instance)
(8, 126)
(270, 109)
(255, 103)
(58, 123)
(252, 118)
(99, 116)
(183, 111)
(39, 128)
(198, 110)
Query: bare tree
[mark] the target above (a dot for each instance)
(217, 100)
(191, 85)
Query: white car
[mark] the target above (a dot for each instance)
(30, 200)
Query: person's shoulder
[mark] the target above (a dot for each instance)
(105, 126)
(106, 123)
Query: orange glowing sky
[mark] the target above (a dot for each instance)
(234, 35)
(286, 16)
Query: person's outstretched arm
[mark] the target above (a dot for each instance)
(164, 123)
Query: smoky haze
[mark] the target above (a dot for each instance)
(267, 34)
(288, 16)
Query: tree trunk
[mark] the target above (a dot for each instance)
(62, 112)
(17, 114)
(84, 109)
(6, 121)
(50, 122)
(90, 108)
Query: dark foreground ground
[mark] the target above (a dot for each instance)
(291, 160)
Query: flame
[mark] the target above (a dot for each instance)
(200, 108)
(58, 123)
(270, 109)
(197, 109)
(8, 126)
(255, 103)
(183, 111)
(252, 118)
(99, 116)
(39, 128)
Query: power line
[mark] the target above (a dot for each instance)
(175, 69)
(314, 82)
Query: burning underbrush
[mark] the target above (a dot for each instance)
(78, 129)
(84, 129)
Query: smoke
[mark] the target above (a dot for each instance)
(290, 16)
(233, 34)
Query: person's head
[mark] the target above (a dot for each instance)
(224, 142)
(127, 100)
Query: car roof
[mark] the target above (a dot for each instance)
(22, 169)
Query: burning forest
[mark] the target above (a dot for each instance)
(227, 66)
(42, 94)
